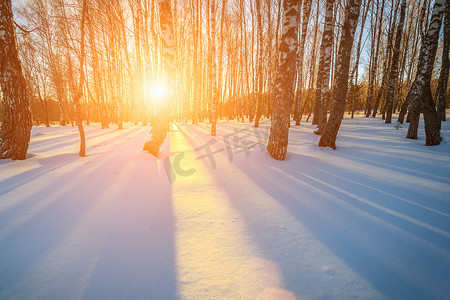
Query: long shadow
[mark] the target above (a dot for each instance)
(401, 214)
(393, 169)
(48, 164)
(137, 257)
(111, 136)
(93, 235)
(393, 190)
(51, 138)
(6, 161)
(408, 165)
(370, 241)
(389, 141)
(58, 183)
(398, 256)
(48, 220)
(67, 135)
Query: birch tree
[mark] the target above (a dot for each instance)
(420, 93)
(445, 67)
(301, 52)
(394, 65)
(328, 138)
(259, 73)
(213, 70)
(377, 25)
(354, 74)
(418, 36)
(323, 77)
(16, 126)
(79, 93)
(386, 66)
(279, 129)
(160, 125)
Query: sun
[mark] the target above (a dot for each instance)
(156, 91)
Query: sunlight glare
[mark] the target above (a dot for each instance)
(156, 91)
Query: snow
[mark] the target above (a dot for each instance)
(217, 218)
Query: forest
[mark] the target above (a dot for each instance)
(224, 149)
(103, 61)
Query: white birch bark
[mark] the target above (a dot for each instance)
(420, 93)
(16, 126)
(393, 77)
(323, 76)
(279, 129)
(328, 138)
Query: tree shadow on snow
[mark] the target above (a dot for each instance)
(100, 231)
(398, 256)
(47, 164)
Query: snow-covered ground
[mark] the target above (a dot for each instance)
(217, 218)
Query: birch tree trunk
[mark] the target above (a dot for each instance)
(374, 59)
(16, 126)
(420, 93)
(394, 65)
(160, 124)
(308, 104)
(259, 74)
(354, 74)
(323, 77)
(445, 68)
(387, 66)
(279, 129)
(197, 63)
(213, 75)
(76, 100)
(301, 53)
(328, 138)
(418, 35)
(220, 68)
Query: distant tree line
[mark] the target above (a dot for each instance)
(375, 56)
